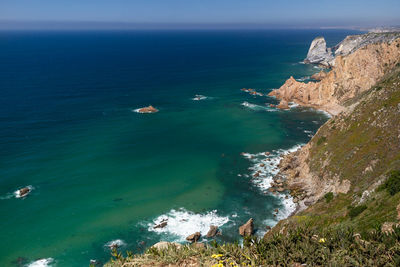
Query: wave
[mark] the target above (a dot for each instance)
(115, 243)
(199, 97)
(42, 263)
(182, 223)
(257, 107)
(302, 79)
(263, 170)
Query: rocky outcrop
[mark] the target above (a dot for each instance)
(247, 229)
(213, 231)
(318, 53)
(283, 105)
(162, 224)
(306, 186)
(24, 191)
(319, 76)
(149, 109)
(194, 237)
(351, 75)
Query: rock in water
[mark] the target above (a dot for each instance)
(149, 109)
(213, 231)
(247, 229)
(194, 237)
(319, 53)
(24, 191)
(161, 225)
(283, 105)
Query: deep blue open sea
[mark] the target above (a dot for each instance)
(100, 172)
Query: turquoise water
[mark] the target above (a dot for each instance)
(102, 172)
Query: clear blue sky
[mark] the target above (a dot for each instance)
(300, 13)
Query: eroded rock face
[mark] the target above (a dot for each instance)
(318, 53)
(247, 229)
(194, 237)
(352, 74)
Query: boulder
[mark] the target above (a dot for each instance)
(149, 109)
(24, 191)
(247, 229)
(162, 224)
(267, 153)
(319, 76)
(164, 245)
(213, 231)
(283, 105)
(193, 237)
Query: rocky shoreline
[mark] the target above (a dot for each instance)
(360, 62)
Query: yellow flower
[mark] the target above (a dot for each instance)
(216, 256)
(322, 240)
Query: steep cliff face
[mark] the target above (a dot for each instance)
(352, 74)
(319, 53)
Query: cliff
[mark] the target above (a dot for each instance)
(352, 74)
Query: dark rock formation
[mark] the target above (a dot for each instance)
(194, 237)
(213, 231)
(247, 229)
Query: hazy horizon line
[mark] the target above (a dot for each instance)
(118, 25)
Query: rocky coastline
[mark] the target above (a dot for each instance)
(360, 62)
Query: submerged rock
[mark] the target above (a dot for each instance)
(247, 229)
(194, 237)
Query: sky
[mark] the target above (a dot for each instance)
(192, 13)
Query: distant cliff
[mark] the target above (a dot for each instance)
(361, 61)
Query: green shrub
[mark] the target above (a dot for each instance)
(392, 184)
(328, 197)
(355, 211)
(321, 140)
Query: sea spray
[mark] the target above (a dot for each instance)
(181, 223)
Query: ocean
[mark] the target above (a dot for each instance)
(102, 173)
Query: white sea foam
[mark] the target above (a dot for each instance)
(199, 97)
(18, 195)
(302, 79)
(264, 168)
(182, 223)
(41, 263)
(257, 107)
(292, 105)
(115, 243)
